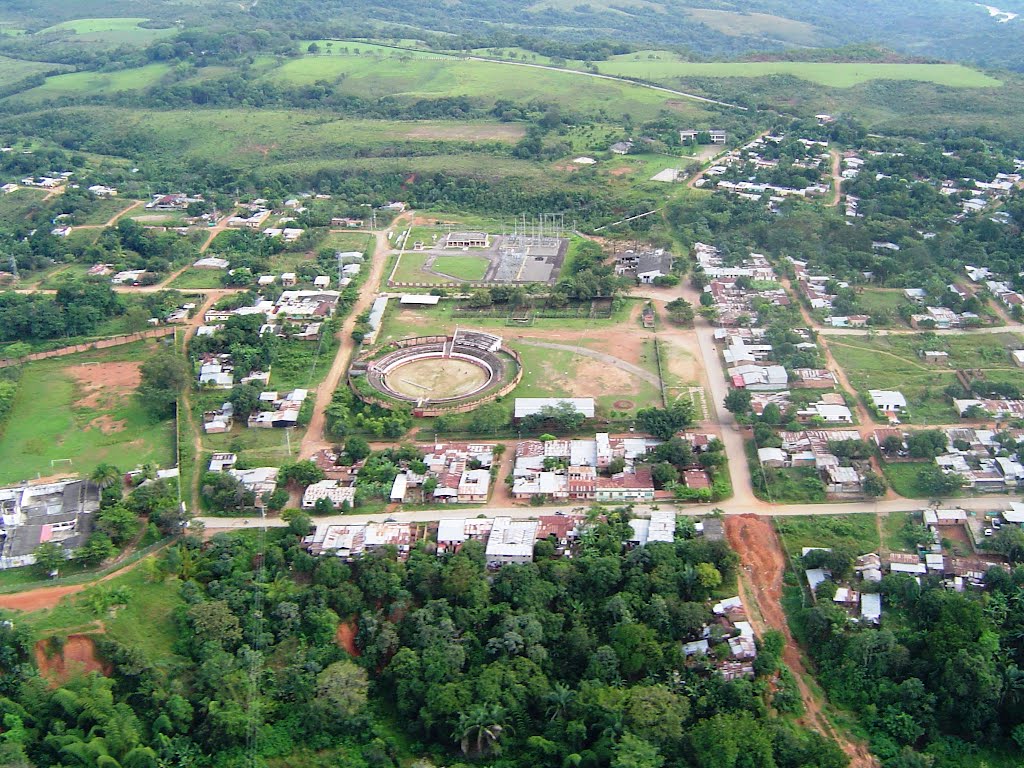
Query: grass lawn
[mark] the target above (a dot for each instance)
(462, 267)
(856, 532)
(198, 278)
(881, 300)
(56, 417)
(103, 210)
(669, 68)
(892, 362)
(410, 270)
(902, 478)
(349, 241)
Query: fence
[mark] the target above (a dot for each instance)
(112, 341)
(89, 576)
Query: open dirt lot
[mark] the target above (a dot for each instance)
(437, 378)
(510, 132)
(103, 384)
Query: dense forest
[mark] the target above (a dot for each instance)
(558, 662)
(941, 680)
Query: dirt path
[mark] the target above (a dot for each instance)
(186, 399)
(313, 440)
(764, 564)
(837, 179)
(45, 598)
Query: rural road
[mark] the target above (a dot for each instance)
(731, 507)
(314, 440)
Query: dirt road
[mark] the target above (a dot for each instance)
(314, 438)
(764, 564)
(837, 178)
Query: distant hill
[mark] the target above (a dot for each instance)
(959, 30)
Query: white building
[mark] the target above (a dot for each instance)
(328, 489)
(511, 541)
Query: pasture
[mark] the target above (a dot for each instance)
(757, 25)
(665, 67)
(893, 362)
(67, 408)
(98, 83)
(400, 73)
(109, 32)
(12, 70)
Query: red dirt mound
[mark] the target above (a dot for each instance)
(345, 637)
(78, 657)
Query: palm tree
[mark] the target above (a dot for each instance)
(105, 475)
(560, 699)
(480, 730)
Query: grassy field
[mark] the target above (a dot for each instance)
(146, 622)
(757, 25)
(18, 205)
(462, 267)
(856, 532)
(879, 300)
(56, 416)
(667, 68)
(112, 31)
(396, 74)
(12, 70)
(98, 83)
(893, 362)
(893, 527)
(198, 278)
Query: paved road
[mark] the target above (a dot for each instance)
(526, 512)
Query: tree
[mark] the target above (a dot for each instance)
(873, 484)
(665, 422)
(481, 729)
(301, 473)
(105, 475)
(664, 474)
(98, 548)
(275, 500)
(634, 752)
(118, 522)
(738, 401)
(245, 399)
(341, 689)
(357, 448)
(680, 312)
(935, 482)
(926, 444)
(49, 557)
(163, 377)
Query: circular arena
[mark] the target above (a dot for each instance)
(437, 373)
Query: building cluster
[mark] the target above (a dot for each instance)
(1002, 290)
(297, 314)
(817, 292)
(732, 628)
(173, 202)
(813, 449)
(644, 266)
(938, 318)
(745, 163)
(861, 606)
(982, 193)
(30, 515)
(505, 540)
(456, 473)
(998, 408)
(980, 460)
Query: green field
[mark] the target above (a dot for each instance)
(902, 478)
(98, 83)
(12, 70)
(198, 278)
(462, 267)
(667, 68)
(855, 532)
(893, 362)
(112, 31)
(146, 622)
(757, 25)
(18, 205)
(56, 417)
(375, 76)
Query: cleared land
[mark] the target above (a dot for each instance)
(757, 24)
(99, 83)
(68, 408)
(12, 70)
(854, 532)
(112, 31)
(894, 362)
(668, 68)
